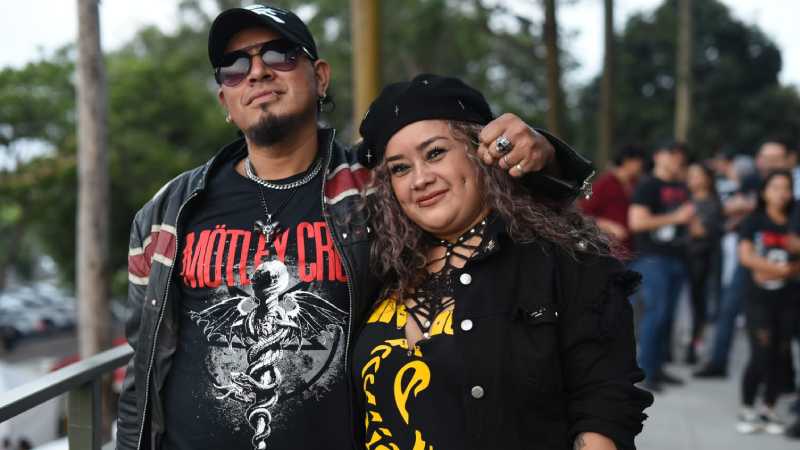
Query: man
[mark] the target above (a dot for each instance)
(249, 274)
(658, 217)
(611, 195)
(771, 156)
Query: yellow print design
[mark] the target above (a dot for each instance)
(412, 379)
(389, 312)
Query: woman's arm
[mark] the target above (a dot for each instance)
(766, 268)
(598, 352)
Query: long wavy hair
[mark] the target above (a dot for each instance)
(398, 252)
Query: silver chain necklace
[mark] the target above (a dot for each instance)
(248, 170)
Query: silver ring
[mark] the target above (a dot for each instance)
(503, 145)
(518, 166)
(505, 160)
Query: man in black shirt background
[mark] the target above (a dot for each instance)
(658, 217)
(247, 275)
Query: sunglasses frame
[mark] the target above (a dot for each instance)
(290, 50)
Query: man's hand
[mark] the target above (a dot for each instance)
(530, 151)
(614, 229)
(684, 214)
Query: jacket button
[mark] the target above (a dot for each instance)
(466, 324)
(465, 279)
(477, 392)
(153, 302)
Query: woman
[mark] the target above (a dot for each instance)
(503, 323)
(770, 309)
(705, 232)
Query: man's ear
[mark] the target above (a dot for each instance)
(322, 74)
(221, 97)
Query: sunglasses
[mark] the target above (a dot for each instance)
(280, 55)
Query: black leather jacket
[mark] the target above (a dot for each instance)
(151, 328)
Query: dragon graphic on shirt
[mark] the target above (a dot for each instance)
(267, 323)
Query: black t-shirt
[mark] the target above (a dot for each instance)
(771, 241)
(661, 197)
(794, 220)
(260, 354)
(408, 397)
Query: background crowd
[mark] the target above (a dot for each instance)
(723, 232)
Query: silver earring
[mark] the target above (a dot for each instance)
(228, 118)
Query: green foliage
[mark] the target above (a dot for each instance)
(737, 100)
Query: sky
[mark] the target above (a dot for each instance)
(30, 28)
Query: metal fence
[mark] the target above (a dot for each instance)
(81, 381)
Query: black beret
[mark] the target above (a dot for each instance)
(426, 97)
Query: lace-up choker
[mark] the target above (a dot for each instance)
(435, 293)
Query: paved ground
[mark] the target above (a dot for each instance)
(698, 416)
(702, 414)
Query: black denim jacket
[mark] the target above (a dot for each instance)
(548, 341)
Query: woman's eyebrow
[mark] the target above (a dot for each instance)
(420, 147)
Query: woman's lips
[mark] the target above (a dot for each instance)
(431, 198)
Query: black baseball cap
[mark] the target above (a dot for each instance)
(231, 21)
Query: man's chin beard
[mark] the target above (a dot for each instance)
(272, 129)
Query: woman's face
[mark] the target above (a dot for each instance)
(435, 182)
(778, 193)
(696, 179)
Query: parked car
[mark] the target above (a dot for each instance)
(29, 311)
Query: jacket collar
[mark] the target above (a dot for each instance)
(238, 149)
(496, 235)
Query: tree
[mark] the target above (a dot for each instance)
(683, 99)
(607, 89)
(554, 94)
(93, 187)
(365, 21)
(735, 83)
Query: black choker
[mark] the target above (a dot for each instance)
(435, 293)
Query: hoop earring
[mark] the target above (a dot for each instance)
(228, 118)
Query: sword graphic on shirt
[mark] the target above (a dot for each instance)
(268, 321)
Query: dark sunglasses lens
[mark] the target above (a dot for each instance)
(233, 74)
(281, 60)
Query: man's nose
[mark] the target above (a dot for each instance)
(259, 70)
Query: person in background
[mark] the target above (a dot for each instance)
(705, 230)
(725, 177)
(659, 216)
(611, 195)
(793, 164)
(771, 156)
(770, 308)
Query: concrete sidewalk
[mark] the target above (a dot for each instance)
(701, 415)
